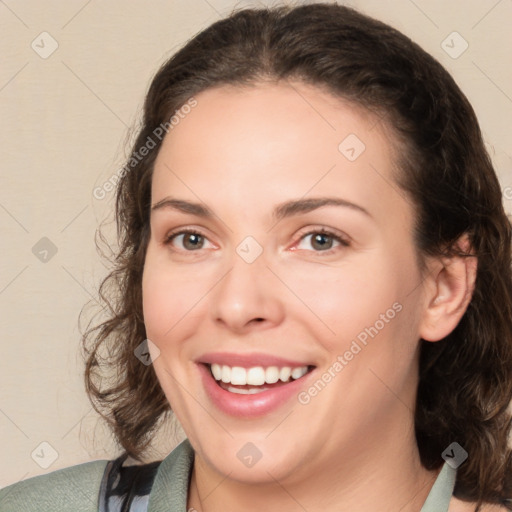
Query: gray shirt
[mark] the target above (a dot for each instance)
(76, 489)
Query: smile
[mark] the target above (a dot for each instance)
(246, 390)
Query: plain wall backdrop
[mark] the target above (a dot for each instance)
(72, 81)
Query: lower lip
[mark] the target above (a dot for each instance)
(257, 404)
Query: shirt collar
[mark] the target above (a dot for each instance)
(171, 494)
(441, 493)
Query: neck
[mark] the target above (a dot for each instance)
(383, 476)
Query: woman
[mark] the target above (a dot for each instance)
(315, 258)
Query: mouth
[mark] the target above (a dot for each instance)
(256, 379)
(249, 386)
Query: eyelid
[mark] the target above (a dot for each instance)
(181, 231)
(343, 239)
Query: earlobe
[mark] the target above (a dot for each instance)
(451, 287)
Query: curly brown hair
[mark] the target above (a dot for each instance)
(465, 382)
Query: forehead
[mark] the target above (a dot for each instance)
(276, 140)
(277, 114)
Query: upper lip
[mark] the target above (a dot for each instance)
(249, 360)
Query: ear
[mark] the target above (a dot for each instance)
(449, 289)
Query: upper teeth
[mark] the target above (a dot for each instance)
(257, 375)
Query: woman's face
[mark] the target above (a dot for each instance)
(255, 290)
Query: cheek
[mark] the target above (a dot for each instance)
(341, 303)
(167, 295)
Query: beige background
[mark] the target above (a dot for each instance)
(64, 121)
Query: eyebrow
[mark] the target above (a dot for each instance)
(281, 211)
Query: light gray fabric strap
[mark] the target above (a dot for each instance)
(441, 493)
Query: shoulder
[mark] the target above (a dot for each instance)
(74, 489)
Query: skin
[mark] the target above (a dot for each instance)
(242, 152)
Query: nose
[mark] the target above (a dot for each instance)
(248, 297)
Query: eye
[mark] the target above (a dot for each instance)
(323, 240)
(191, 240)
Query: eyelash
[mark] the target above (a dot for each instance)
(322, 231)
